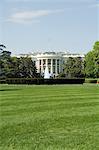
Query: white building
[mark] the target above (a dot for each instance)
(53, 61)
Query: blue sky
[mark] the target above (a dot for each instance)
(49, 25)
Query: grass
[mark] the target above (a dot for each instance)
(49, 117)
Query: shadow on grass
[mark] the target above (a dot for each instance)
(9, 89)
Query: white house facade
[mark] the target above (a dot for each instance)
(53, 61)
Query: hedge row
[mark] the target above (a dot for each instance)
(2, 81)
(91, 80)
(39, 81)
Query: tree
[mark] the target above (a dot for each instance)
(73, 68)
(89, 65)
(27, 67)
(96, 58)
(2, 47)
(5, 61)
(92, 62)
(16, 67)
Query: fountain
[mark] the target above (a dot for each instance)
(46, 73)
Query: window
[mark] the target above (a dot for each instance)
(43, 68)
(57, 61)
(40, 69)
(49, 61)
(39, 62)
(49, 70)
(58, 69)
(53, 69)
(44, 61)
(54, 61)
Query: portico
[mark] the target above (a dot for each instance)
(53, 62)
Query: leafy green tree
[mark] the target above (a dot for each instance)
(96, 58)
(14, 68)
(89, 65)
(27, 67)
(2, 47)
(5, 61)
(73, 68)
(92, 62)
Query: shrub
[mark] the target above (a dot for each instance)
(90, 80)
(2, 81)
(39, 81)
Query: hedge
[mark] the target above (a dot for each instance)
(39, 81)
(91, 80)
(2, 81)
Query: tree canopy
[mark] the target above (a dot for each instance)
(73, 68)
(14, 67)
(24, 67)
(92, 62)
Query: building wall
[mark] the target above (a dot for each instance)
(54, 61)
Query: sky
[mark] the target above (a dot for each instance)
(49, 25)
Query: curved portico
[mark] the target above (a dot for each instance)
(52, 61)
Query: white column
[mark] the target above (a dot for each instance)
(46, 62)
(51, 66)
(38, 66)
(42, 65)
(59, 66)
(56, 67)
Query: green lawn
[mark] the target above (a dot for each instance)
(49, 117)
